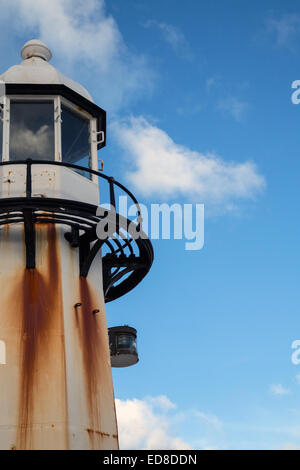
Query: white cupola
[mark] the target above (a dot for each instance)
(46, 115)
(35, 69)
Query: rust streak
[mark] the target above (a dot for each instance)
(101, 433)
(42, 315)
(91, 348)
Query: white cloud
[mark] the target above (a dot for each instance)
(36, 144)
(234, 107)
(141, 426)
(173, 36)
(278, 389)
(162, 402)
(161, 167)
(211, 420)
(212, 82)
(68, 24)
(81, 33)
(285, 28)
(291, 446)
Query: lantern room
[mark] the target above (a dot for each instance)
(47, 116)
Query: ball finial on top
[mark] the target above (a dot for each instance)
(36, 48)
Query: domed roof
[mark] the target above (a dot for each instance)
(35, 69)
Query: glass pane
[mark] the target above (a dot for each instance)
(1, 133)
(75, 136)
(126, 342)
(31, 130)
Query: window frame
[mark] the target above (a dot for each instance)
(58, 101)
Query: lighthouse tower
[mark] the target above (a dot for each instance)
(59, 262)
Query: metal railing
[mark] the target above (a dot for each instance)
(111, 181)
(125, 262)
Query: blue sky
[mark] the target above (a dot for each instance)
(185, 83)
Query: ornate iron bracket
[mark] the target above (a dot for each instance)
(126, 259)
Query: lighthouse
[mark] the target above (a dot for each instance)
(61, 261)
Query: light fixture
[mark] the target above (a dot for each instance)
(122, 344)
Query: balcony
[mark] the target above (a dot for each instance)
(126, 257)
